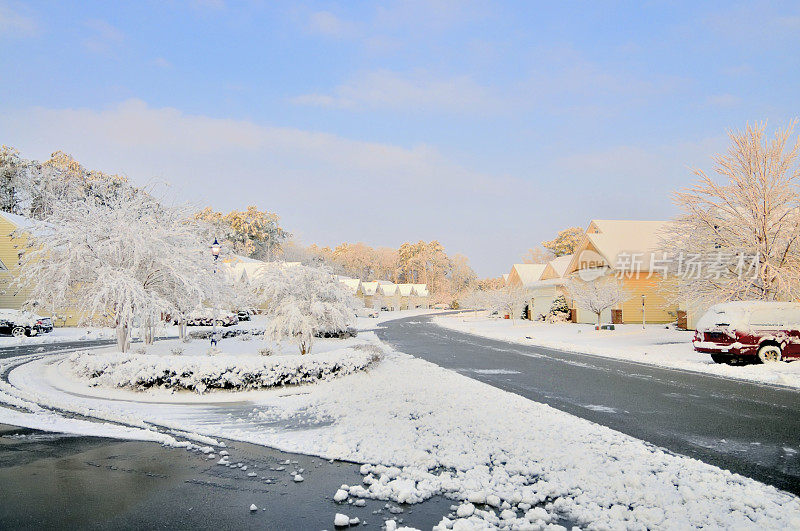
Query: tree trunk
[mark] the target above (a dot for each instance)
(182, 327)
(598, 320)
(122, 338)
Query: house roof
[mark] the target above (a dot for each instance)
(525, 274)
(421, 290)
(352, 283)
(405, 289)
(388, 290)
(505, 278)
(610, 238)
(556, 268)
(370, 288)
(21, 222)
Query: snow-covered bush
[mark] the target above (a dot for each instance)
(559, 310)
(509, 300)
(200, 373)
(303, 303)
(265, 351)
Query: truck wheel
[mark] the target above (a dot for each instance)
(769, 354)
(18, 331)
(719, 358)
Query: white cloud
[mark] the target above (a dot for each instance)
(326, 188)
(385, 89)
(103, 36)
(14, 23)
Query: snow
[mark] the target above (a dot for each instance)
(422, 430)
(341, 520)
(253, 507)
(655, 345)
(220, 371)
(60, 335)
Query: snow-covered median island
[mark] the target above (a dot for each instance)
(655, 345)
(195, 373)
(422, 430)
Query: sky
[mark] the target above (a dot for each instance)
(488, 126)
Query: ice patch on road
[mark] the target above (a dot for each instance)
(494, 371)
(602, 409)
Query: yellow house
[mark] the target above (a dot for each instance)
(370, 290)
(11, 246)
(549, 286)
(387, 296)
(420, 296)
(630, 250)
(405, 292)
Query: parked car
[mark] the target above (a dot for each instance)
(19, 323)
(243, 315)
(205, 317)
(749, 331)
(367, 312)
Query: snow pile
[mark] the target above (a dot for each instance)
(201, 373)
(424, 431)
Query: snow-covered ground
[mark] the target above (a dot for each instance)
(656, 345)
(422, 430)
(60, 335)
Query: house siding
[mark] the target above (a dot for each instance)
(657, 308)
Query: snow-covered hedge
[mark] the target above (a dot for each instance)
(201, 373)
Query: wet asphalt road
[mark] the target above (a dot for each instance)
(58, 481)
(750, 429)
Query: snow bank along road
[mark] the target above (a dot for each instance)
(750, 429)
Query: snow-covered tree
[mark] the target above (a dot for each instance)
(118, 257)
(559, 310)
(251, 232)
(509, 300)
(597, 295)
(303, 302)
(475, 300)
(739, 236)
(565, 241)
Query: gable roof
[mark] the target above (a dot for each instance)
(525, 274)
(370, 288)
(609, 238)
(405, 289)
(421, 290)
(556, 268)
(387, 290)
(353, 284)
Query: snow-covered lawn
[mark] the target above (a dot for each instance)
(422, 430)
(656, 345)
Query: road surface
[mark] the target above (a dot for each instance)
(750, 429)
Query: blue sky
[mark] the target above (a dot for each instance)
(486, 125)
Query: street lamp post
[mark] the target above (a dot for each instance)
(215, 248)
(642, 311)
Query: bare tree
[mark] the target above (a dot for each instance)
(537, 255)
(597, 295)
(510, 300)
(744, 229)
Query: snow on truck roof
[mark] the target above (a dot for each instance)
(737, 313)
